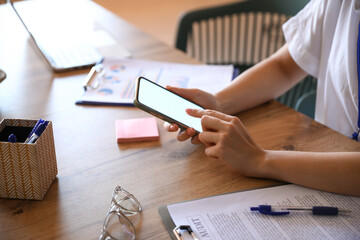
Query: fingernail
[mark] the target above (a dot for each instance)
(190, 131)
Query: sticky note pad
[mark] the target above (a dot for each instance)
(136, 130)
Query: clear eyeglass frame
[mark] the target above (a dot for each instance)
(117, 224)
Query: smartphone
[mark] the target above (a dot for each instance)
(164, 104)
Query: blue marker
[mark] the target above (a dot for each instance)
(284, 210)
(33, 130)
(37, 132)
(12, 138)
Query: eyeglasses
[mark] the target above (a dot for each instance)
(117, 225)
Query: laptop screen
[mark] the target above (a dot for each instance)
(61, 30)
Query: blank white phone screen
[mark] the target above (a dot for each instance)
(168, 104)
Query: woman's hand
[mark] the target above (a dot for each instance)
(226, 139)
(201, 98)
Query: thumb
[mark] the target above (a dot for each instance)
(195, 112)
(187, 93)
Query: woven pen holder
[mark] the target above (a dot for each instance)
(26, 170)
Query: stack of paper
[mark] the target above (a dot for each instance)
(115, 82)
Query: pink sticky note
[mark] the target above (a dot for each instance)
(137, 129)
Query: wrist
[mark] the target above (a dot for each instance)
(276, 164)
(266, 167)
(258, 165)
(220, 104)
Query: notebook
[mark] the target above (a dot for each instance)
(64, 47)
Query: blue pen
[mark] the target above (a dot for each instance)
(284, 210)
(12, 138)
(37, 132)
(33, 130)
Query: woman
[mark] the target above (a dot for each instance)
(321, 41)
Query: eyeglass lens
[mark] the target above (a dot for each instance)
(125, 202)
(117, 227)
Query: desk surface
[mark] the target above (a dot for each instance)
(91, 163)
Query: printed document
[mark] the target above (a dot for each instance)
(116, 84)
(229, 217)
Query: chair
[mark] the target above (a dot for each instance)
(306, 103)
(242, 34)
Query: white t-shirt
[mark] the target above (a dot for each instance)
(322, 39)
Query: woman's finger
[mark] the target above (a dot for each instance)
(211, 151)
(184, 135)
(171, 127)
(207, 112)
(209, 138)
(211, 122)
(195, 139)
(187, 93)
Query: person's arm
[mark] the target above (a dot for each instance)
(265, 81)
(226, 139)
(337, 172)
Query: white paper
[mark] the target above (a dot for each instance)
(229, 216)
(118, 83)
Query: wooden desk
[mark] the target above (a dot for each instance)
(91, 163)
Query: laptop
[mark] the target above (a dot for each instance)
(64, 44)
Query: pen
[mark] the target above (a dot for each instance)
(283, 210)
(37, 132)
(33, 130)
(12, 138)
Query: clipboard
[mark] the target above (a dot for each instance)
(171, 227)
(213, 217)
(167, 220)
(92, 81)
(112, 83)
(234, 208)
(175, 232)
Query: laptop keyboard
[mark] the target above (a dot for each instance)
(73, 55)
